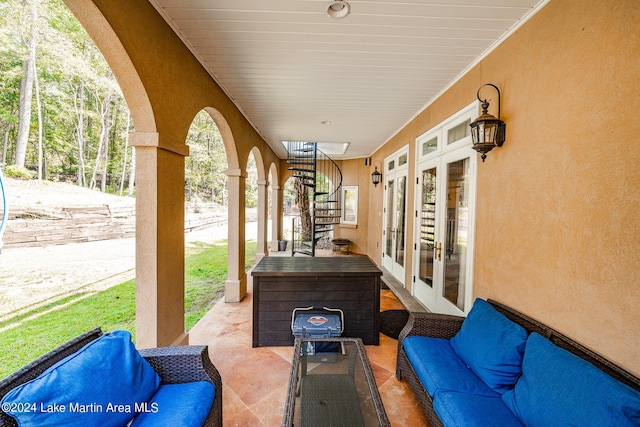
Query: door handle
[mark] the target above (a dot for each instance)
(438, 251)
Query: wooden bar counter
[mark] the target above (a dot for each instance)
(281, 284)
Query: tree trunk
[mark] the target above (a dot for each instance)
(302, 200)
(5, 144)
(26, 90)
(40, 131)
(80, 132)
(103, 111)
(132, 175)
(126, 152)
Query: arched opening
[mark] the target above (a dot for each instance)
(206, 205)
(251, 202)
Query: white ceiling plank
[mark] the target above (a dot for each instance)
(288, 66)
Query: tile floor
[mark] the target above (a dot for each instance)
(255, 379)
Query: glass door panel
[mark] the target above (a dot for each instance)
(457, 233)
(389, 230)
(427, 239)
(401, 215)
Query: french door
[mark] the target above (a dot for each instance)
(445, 207)
(395, 214)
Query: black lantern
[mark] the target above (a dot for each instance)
(376, 177)
(487, 131)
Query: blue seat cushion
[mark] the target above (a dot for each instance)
(99, 385)
(471, 410)
(184, 405)
(559, 388)
(491, 345)
(439, 368)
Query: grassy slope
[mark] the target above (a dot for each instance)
(205, 275)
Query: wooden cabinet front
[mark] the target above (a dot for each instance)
(281, 284)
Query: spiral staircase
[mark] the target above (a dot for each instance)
(322, 177)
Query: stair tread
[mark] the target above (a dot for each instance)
(300, 161)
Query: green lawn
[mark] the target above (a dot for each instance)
(205, 275)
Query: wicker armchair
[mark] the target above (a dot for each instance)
(428, 325)
(173, 364)
(445, 326)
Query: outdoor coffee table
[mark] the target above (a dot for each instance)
(336, 388)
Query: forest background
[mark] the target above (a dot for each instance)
(64, 118)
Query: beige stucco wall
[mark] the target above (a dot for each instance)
(558, 204)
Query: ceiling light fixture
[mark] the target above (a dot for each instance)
(338, 9)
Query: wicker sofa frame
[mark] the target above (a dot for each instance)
(445, 326)
(174, 365)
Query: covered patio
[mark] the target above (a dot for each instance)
(548, 220)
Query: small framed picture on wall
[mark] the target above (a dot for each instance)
(349, 205)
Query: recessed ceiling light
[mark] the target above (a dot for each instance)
(326, 122)
(338, 9)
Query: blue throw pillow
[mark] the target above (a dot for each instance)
(102, 384)
(491, 345)
(558, 388)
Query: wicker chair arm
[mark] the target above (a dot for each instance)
(431, 325)
(181, 364)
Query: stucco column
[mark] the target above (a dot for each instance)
(236, 285)
(159, 240)
(277, 200)
(263, 219)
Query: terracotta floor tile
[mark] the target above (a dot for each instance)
(244, 419)
(259, 375)
(270, 408)
(255, 380)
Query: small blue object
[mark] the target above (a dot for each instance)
(314, 325)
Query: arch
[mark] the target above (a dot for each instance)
(263, 201)
(276, 206)
(227, 137)
(119, 61)
(257, 156)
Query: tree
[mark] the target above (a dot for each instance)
(26, 85)
(302, 200)
(205, 168)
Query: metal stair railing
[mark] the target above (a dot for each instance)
(323, 177)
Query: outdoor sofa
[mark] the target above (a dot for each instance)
(102, 380)
(499, 367)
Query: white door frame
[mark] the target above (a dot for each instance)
(438, 155)
(396, 167)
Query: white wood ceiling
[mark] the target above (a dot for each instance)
(289, 67)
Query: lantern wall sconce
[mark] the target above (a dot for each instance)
(376, 177)
(487, 131)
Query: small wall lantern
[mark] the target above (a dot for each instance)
(487, 131)
(376, 177)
